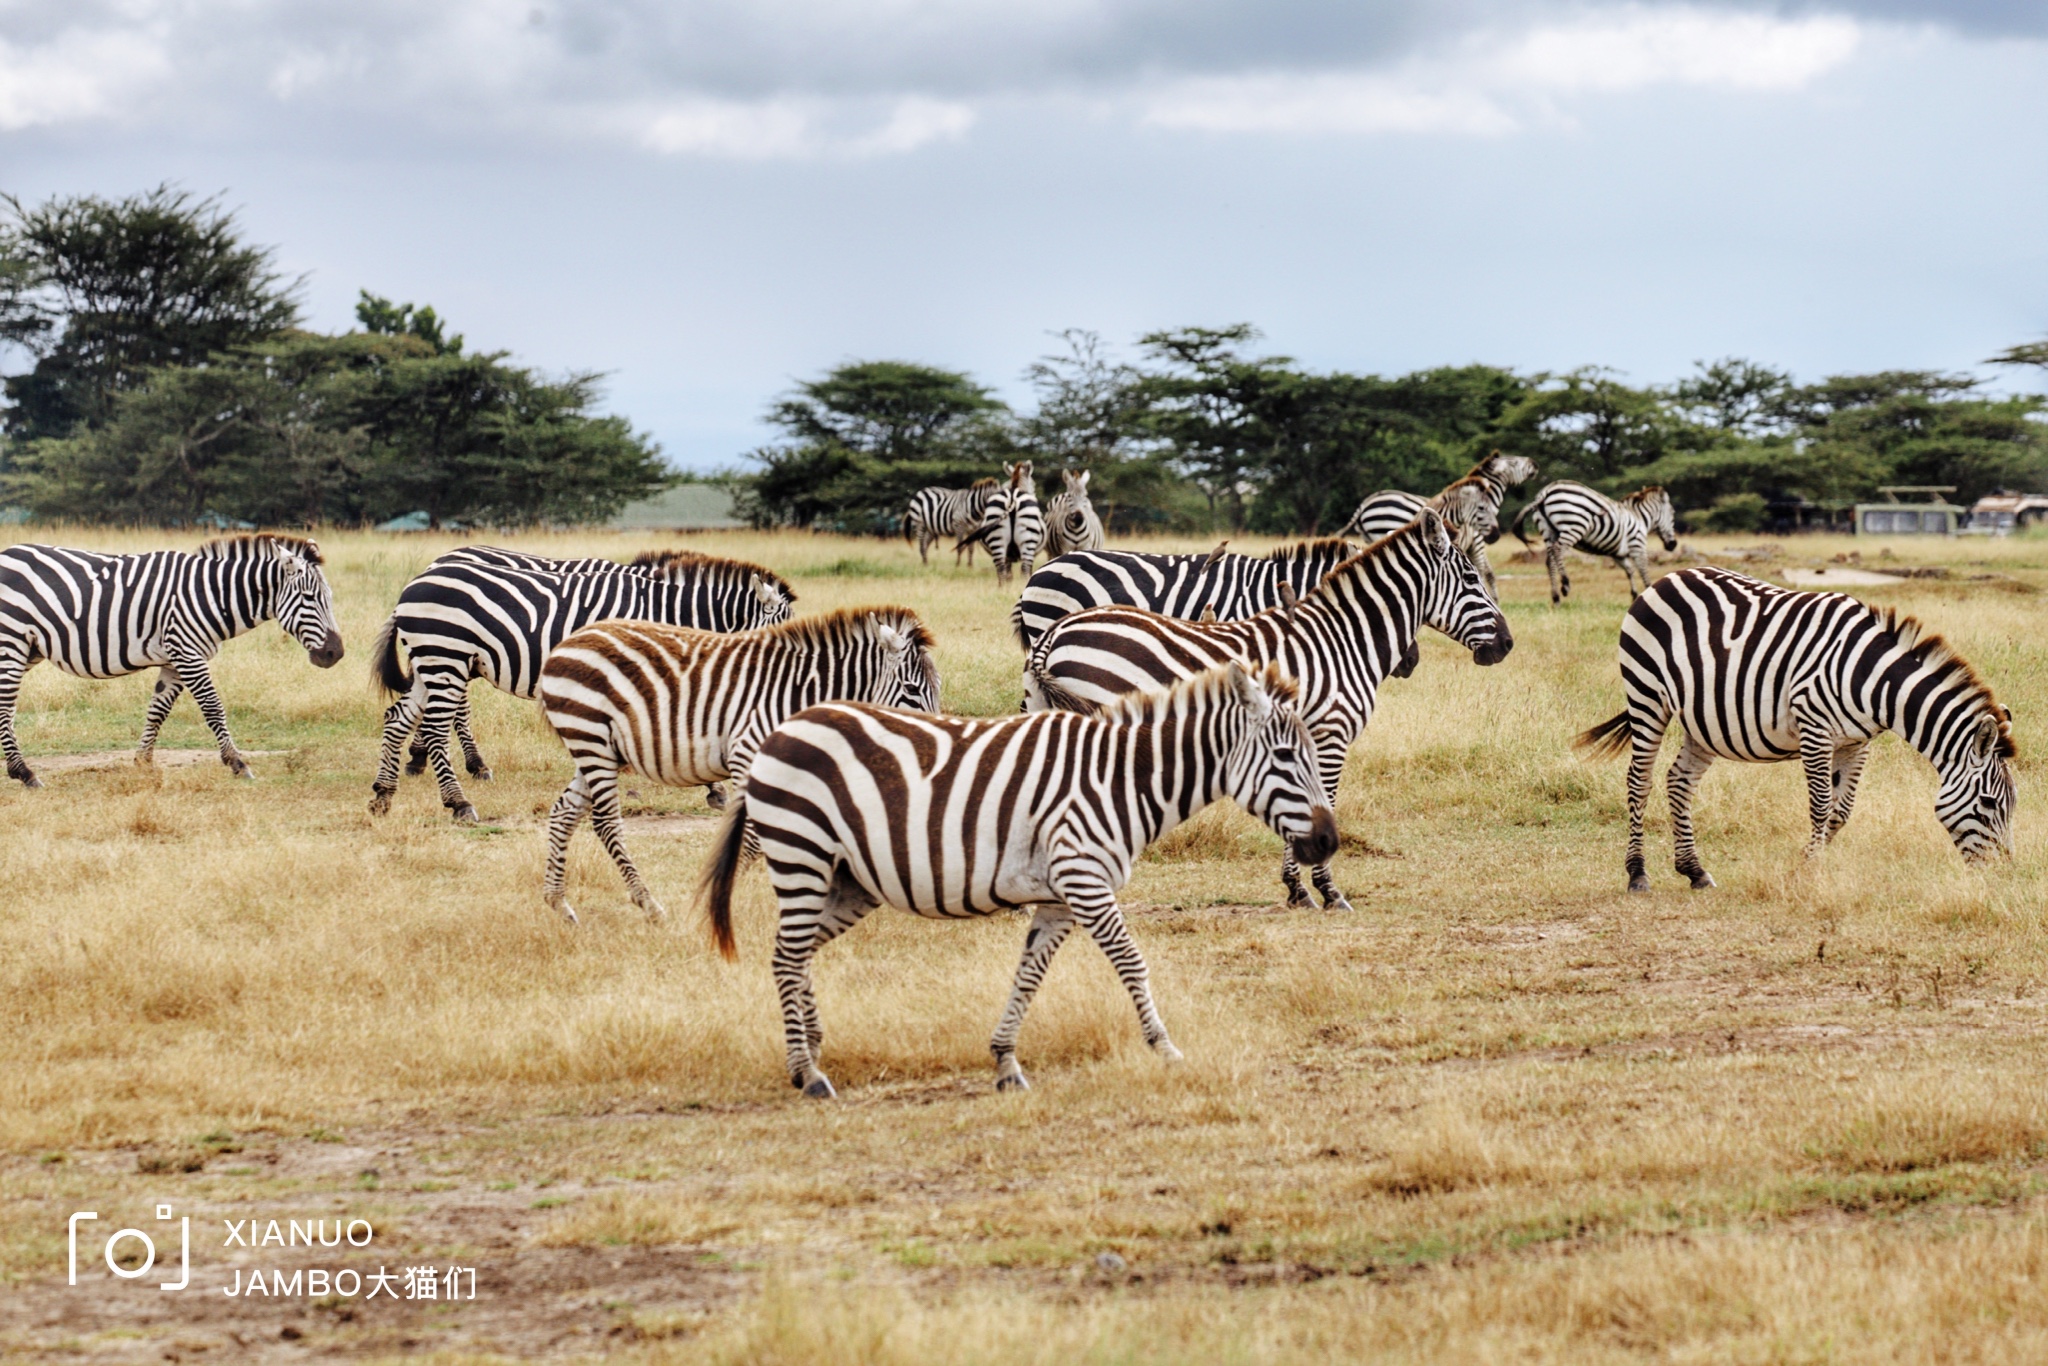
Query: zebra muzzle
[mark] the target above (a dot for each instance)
(328, 652)
(1319, 845)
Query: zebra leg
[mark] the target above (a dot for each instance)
(192, 671)
(444, 693)
(1680, 781)
(1817, 758)
(1849, 760)
(1553, 563)
(1642, 759)
(1050, 925)
(12, 667)
(603, 782)
(399, 719)
(815, 908)
(563, 817)
(1290, 877)
(472, 757)
(1323, 874)
(1094, 906)
(169, 688)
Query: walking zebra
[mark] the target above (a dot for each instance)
(461, 620)
(1338, 642)
(687, 707)
(1762, 674)
(948, 817)
(1186, 586)
(1013, 526)
(1471, 506)
(1070, 520)
(103, 616)
(1574, 516)
(936, 512)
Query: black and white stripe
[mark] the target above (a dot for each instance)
(1215, 585)
(1762, 674)
(1339, 642)
(460, 620)
(938, 512)
(1470, 505)
(684, 707)
(1013, 525)
(947, 817)
(1574, 517)
(1070, 520)
(103, 616)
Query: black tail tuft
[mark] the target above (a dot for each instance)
(715, 888)
(1606, 740)
(1516, 525)
(387, 671)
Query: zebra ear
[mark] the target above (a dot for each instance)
(767, 595)
(1249, 692)
(1433, 527)
(1984, 742)
(893, 640)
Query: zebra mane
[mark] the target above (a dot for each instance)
(713, 564)
(846, 625)
(1644, 495)
(1207, 685)
(1335, 547)
(1939, 657)
(254, 542)
(984, 483)
(1410, 529)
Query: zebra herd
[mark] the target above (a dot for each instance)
(1153, 686)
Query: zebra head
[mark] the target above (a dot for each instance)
(908, 677)
(1976, 797)
(1271, 770)
(1076, 482)
(1454, 597)
(305, 604)
(1509, 469)
(1653, 505)
(775, 603)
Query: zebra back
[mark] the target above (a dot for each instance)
(936, 511)
(1013, 525)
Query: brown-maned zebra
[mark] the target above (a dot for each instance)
(1070, 520)
(1574, 517)
(1762, 674)
(854, 807)
(1471, 505)
(684, 707)
(1339, 641)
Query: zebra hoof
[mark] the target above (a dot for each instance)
(1339, 902)
(1701, 881)
(465, 814)
(145, 758)
(1013, 1081)
(561, 903)
(1168, 1053)
(243, 771)
(1639, 883)
(29, 781)
(1298, 897)
(417, 764)
(820, 1089)
(380, 803)
(480, 771)
(656, 912)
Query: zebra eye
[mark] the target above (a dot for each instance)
(1283, 754)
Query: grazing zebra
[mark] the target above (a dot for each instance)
(936, 512)
(1471, 505)
(1574, 516)
(1070, 520)
(1013, 526)
(1338, 642)
(1186, 586)
(947, 817)
(1762, 674)
(103, 616)
(462, 620)
(686, 707)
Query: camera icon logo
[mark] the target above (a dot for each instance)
(164, 1215)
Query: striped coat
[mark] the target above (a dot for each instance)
(1761, 674)
(685, 707)
(1573, 516)
(103, 616)
(1214, 585)
(937, 512)
(854, 807)
(1471, 506)
(1070, 520)
(1343, 638)
(1013, 525)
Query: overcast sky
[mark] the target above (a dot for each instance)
(710, 200)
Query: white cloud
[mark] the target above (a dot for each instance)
(77, 74)
(754, 130)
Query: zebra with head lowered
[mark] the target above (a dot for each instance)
(461, 620)
(947, 817)
(1471, 506)
(1338, 643)
(103, 616)
(1573, 516)
(1070, 520)
(684, 707)
(1213, 585)
(1013, 525)
(1761, 674)
(936, 512)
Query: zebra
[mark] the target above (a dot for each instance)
(1186, 586)
(1013, 526)
(948, 817)
(775, 597)
(104, 616)
(462, 620)
(1574, 516)
(1070, 520)
(1471, 505)
(685, 707)
(1339, 641)
(936, 512)
(1762, 674)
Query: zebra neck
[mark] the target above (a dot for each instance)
(1175, 762)
(245, 592)
(1921, 711)
(1367, 611)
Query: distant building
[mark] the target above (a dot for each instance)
(686, 507)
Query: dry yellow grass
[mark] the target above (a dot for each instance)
(1504, 1111)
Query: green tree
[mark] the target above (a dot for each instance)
(383, 318)
(1588, 426)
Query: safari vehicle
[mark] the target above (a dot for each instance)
(2004, 512)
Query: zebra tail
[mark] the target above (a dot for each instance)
(1606, 740)
(728, 851)
(386, 669)
(1017, 625)
(1050, 695)
(1516, 525)
(907, 533)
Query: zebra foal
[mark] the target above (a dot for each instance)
(1575, 517)
(1338, 642)
(104, 616)
(854, 807)
(1070, 520)
(1759, 673)
(935, 512)
(685, 707)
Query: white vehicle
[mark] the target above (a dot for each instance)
(2004, 512)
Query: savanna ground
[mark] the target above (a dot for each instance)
(1504, 1111)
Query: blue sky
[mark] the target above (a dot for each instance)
(711, 200)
